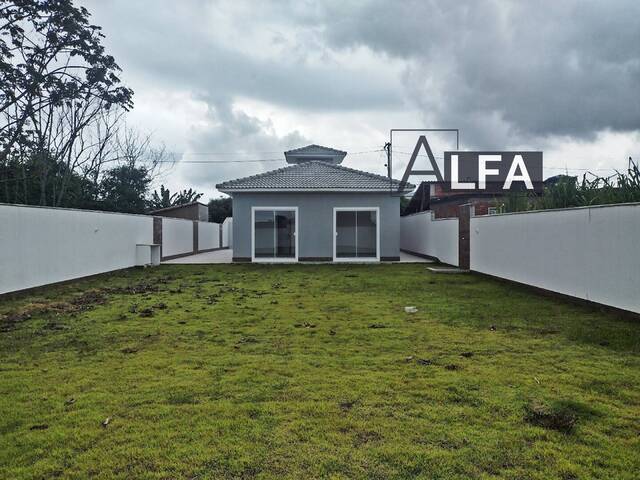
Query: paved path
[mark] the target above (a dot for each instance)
(225, 256)
(217, 256)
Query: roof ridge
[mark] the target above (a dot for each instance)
(293, 150)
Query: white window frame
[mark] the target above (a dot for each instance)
(253, 235)
(335, 234)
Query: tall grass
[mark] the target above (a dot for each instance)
(623, 187)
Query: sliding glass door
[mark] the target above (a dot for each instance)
(274, 234)
(356, 234)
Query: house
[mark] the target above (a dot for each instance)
(315, 209)
(191, 211)
(445, 204)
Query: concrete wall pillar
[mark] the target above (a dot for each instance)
(157, 232)
(195, 237)
(464, 236)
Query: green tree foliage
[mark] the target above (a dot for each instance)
(165, 199)
(60, 101)
(219, 209)
(50, 57)
(124, 188)
(24, 181)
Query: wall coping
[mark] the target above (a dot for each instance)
(45, 207)
(430, 212)
(586, 207)
(86, 210)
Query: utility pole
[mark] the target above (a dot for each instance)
(387, 148)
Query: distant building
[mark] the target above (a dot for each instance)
(190, 211)
(432, 196)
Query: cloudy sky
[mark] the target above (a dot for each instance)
(223, 81)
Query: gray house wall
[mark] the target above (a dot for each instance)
(315, 220)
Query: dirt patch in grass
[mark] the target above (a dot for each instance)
(85, 301)
(554, 416)
(80, 303)
(366, 437)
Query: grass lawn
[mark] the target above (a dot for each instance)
(314, 371)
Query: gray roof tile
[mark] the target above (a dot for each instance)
(314, 148)
(313, 175)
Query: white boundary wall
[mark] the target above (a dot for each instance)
(421, 233)
(208, 235)
(227, 233)
(591, 253)
(40, 245)
(177, 236)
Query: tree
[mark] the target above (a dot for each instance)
(51, 57)
(24, 181)
(160, 200)
(60, 99)
(165, 199)
(219, 209)
(124, 188)
(187, 196)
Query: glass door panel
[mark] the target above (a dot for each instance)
(356, 234)
(366, 234)
(345, 234)
(263, 234)
(274, 234)
(285, 222)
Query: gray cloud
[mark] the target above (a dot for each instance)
(505, 73)
(244, 136)
(538, 68)
(172, 43)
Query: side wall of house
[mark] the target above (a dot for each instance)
(315, 220)
(39, 246)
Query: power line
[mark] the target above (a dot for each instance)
(610, 169)
(229, 153)
(258, 160)
(267, 153)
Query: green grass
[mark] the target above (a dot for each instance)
(247, 371)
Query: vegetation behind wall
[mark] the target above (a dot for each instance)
(567, 192)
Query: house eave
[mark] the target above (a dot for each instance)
(307, 190)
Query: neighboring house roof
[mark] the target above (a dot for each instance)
(314, 152)
(177, 207)
(313, 175)
(560, 178)
(423, 199)
(420, 201)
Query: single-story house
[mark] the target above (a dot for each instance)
(315, 210)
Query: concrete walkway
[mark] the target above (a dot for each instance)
(226, 255)
(217, 256)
